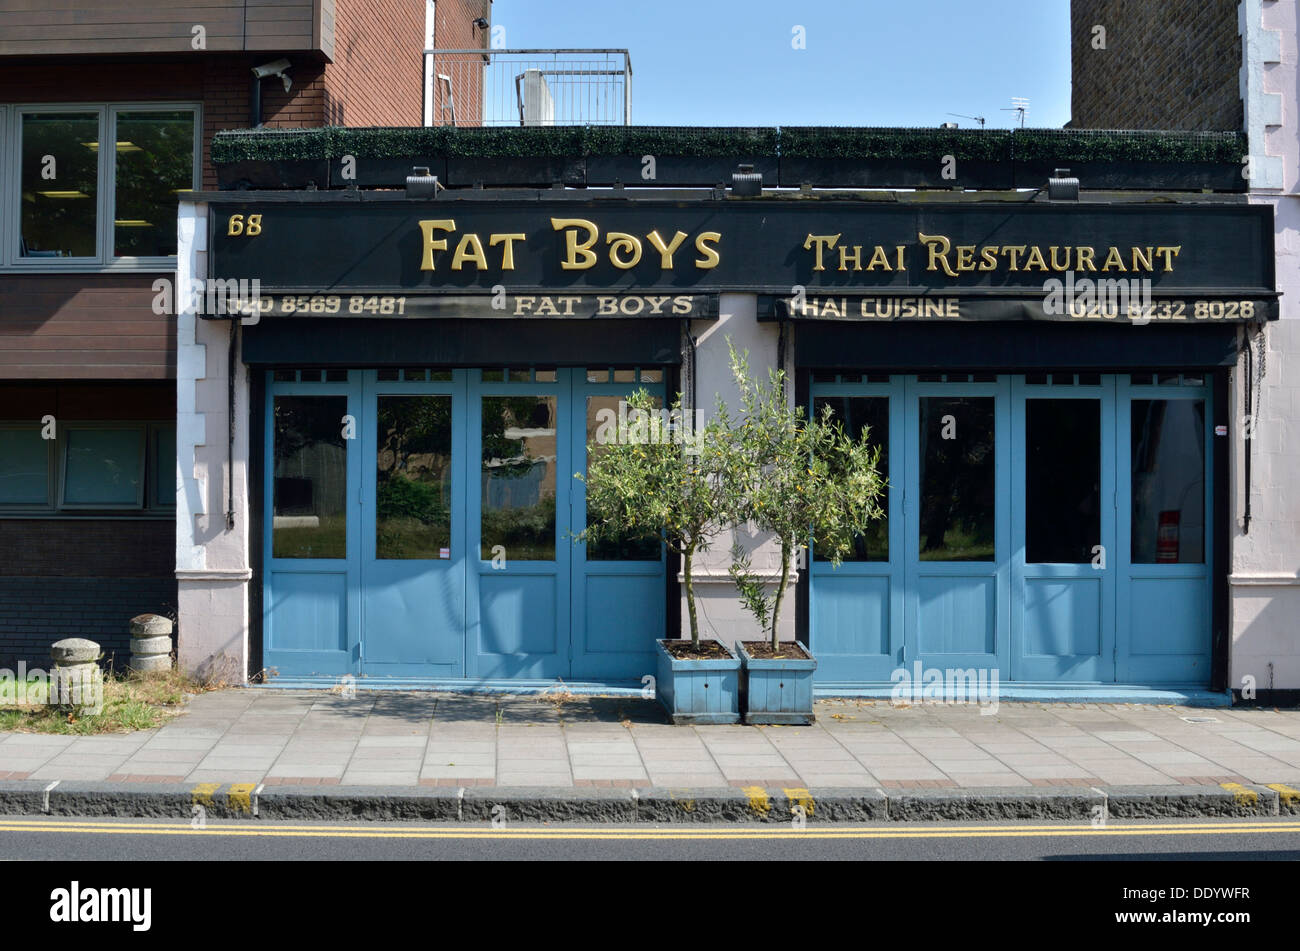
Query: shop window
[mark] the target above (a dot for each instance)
(80, 203)
(413, 477)
(518, 477)
(958, 487)
(1062, 480)
(24, 467)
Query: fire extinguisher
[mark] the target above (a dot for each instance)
(1167, 537)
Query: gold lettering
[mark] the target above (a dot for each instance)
(546, 307)
(470, 248)
(989, 257)
(568, 301)
(710, 257)
(901, 265)
(818, 243)
(622, 242)
(1057, 265)
(430, 245)
(508, 252)
(1169, 253)
(965, 257)
(607, 306)
(1114, 256)
(681, 305)
(666, 250)
(1142, 262)
(578, 255)
(1036, 254)
(855, 255)
(938, 246)
(1084, 255)
(879, 257)
(1013, 252)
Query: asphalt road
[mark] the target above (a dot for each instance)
(110, 839)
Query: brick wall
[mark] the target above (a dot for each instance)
(377, 73)
(36, 612)
(1168, 64)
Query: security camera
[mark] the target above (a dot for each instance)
(275, 68)
(481, 23)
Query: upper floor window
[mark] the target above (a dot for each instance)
(95, 186)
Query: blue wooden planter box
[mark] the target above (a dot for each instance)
(698, 691)
(778, 690)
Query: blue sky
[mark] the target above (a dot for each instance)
(867, 62)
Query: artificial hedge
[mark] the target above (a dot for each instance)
(839, 143)
(847, 142)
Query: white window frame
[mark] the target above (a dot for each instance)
(11, 118)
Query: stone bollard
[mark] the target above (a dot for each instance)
(76, 682)
(151, 643)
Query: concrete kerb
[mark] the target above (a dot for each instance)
(518, 804)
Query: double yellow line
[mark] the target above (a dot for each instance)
(90, 827)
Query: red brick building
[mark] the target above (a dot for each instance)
(87, 365)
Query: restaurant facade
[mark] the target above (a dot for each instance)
(384, 438)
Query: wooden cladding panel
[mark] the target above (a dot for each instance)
(79, 327)
(54, 27)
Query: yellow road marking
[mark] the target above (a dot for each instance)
(202, 793)
(799, 796)
(758, 800)
(240, 796)
(783, 831)
(1243, 796)
(1288, 795)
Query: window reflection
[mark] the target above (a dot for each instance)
(1168, 513)
(601, 409)
(309, 518)
(1062, 480)
(518, 478)
(957, 479)
(871, 413)
(60, 184)
(155, 160)
(413, 477)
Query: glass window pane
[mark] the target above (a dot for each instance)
(24, 467)
(164, 493)
(623, 547)
(104, 467)
(1062, 480)
(309, 511)
(871, 413)
(413, 477)
(957, 479)
(518, 481)
(155, 160)
(60, 185)
(1168, 444)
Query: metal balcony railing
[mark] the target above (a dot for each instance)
(527, 87)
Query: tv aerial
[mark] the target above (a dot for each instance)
(1018, 105)
(979, 119)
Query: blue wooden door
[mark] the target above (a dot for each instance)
(1164, 425)
(856, 610)
(413, 534)
(311, 542)
(1064, 553)
(956, 546)
(619, 603)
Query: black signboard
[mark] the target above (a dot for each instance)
(818, 259)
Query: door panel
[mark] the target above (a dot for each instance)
(413, 565)
(957, 540)
(1063, 513)
(310, 540)
(856, 610)
(618, 597)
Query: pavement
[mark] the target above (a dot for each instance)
(451, 756)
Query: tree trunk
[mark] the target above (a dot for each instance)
(687, 555)
(780, 592)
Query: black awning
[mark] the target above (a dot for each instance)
(345, 342)
(1018, 346)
